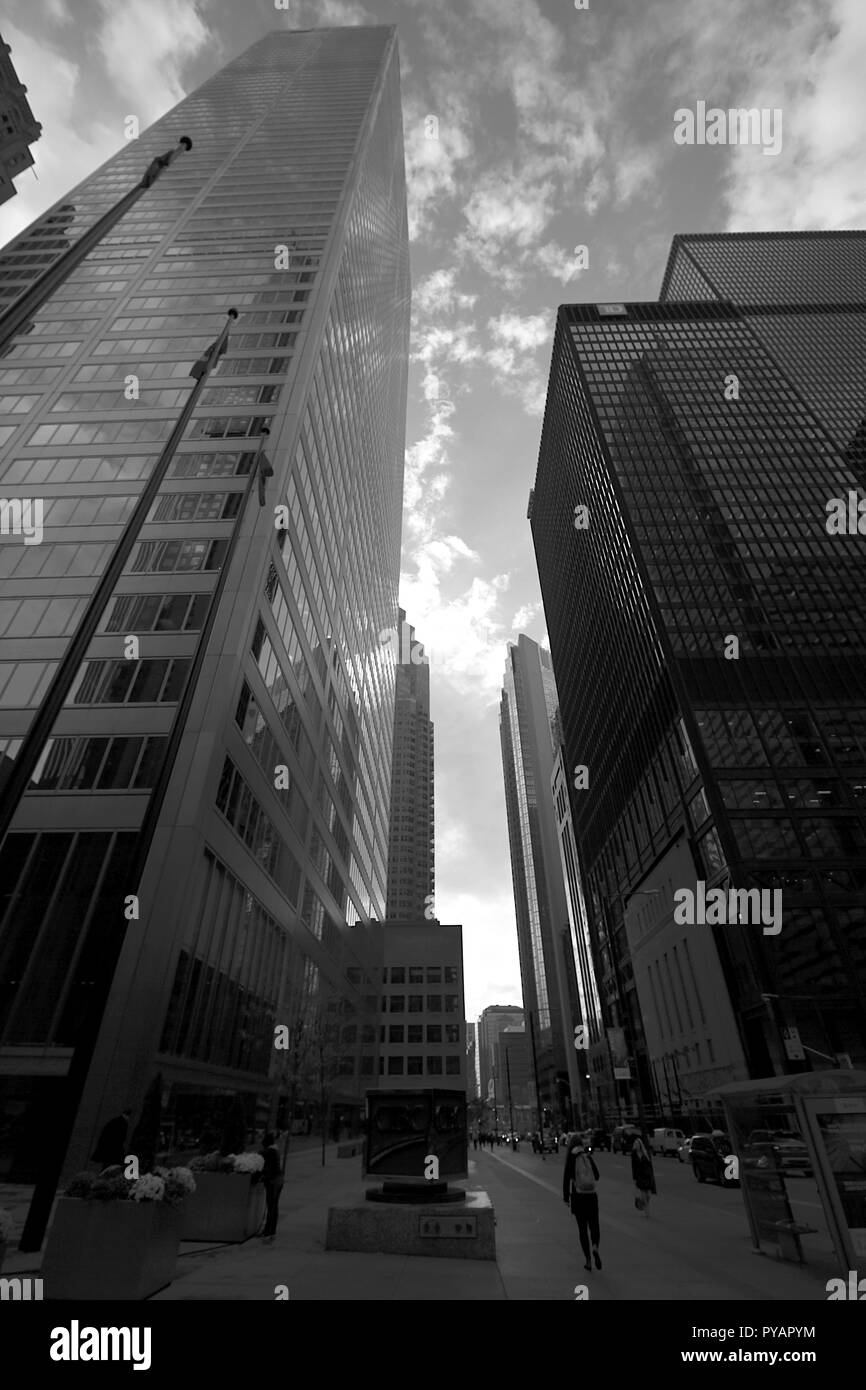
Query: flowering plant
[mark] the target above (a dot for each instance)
(170, 1185)
(6, 1227)
(247, 1163)
(147, 1188)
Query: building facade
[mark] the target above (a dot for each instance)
(203, 842)
(711, 675)
(493, 1021)
(530, 737)
(18, 127)
(422, 1029)
(411, 884)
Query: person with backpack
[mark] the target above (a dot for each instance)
(578, 1189)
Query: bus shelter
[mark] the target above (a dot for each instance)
(800, 1144)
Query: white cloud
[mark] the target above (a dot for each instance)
(145, 49)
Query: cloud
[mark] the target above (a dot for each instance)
(512, 358)
(145, 48)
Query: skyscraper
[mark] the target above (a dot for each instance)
(529, 731)
(203, 841)
(410, 842)
(18, 127)
(710, 671)
(493, 1021)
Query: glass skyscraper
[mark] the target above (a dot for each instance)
(530, 738)
(411, 839)
(707, 638)
(203, 841)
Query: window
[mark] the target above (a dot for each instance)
(434, 1032)
(434, 1066)
(434, 1003)
(398, 1004)
(451, 1003)
(415, 1034)
(452, 1066)
(395, 1066)
(414, 1066)
(416, 1003)
(434, 975)
(452, 1032)
(398, 975)
(450, 977)
(395, 1033)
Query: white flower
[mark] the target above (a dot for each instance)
(184, 1179)
(248, 1163)
(148, 1188)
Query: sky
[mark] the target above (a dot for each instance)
(532, 128)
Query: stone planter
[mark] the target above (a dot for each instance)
(110, 1250)
(224, 1207)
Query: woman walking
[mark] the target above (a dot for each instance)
(642, 1175)
(578, 1189)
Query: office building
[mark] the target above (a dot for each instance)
(472, 1088)
(202, 843)
(710, 662)
(410, 843)
(422, 1030)
(18, 127)
(493, 1021)
(530, 737)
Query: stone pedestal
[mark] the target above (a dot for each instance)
(452, 1231)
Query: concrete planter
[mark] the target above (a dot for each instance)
(110, 1250)
(224, 1207)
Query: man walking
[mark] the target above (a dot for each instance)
(578, 1189)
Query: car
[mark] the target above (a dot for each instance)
(778, 1148)
(623, 1137)
(667, 1141)
(599, 1139)
(710, 1155)
(684, 1151)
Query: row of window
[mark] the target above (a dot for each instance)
(416, 975)
(99, 764)
(397, 1004)
(258, 832)
(158, 681)
(414, 1066)
(414, 1033)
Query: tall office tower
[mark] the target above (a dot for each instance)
(202, 842)
(18, 127)
(493, 1021)
(471, 1060)
(410, 841)
(702, 610)
(530, 736)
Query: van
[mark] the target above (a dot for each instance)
(667, 1141)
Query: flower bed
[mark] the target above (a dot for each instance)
(229, 1200)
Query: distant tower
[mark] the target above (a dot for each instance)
(410, 849)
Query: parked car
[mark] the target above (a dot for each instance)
(623, 1137)
(684, 1151)
(777, 1148)
(667, 1141)
(709, 1158)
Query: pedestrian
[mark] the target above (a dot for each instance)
(111, 1146)
(272, 1177)
(642, 1174)
(475, 1141)
(578, 1189)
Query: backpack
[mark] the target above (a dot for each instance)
(583, 1176)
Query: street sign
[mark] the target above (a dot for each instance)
(793, 1047)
